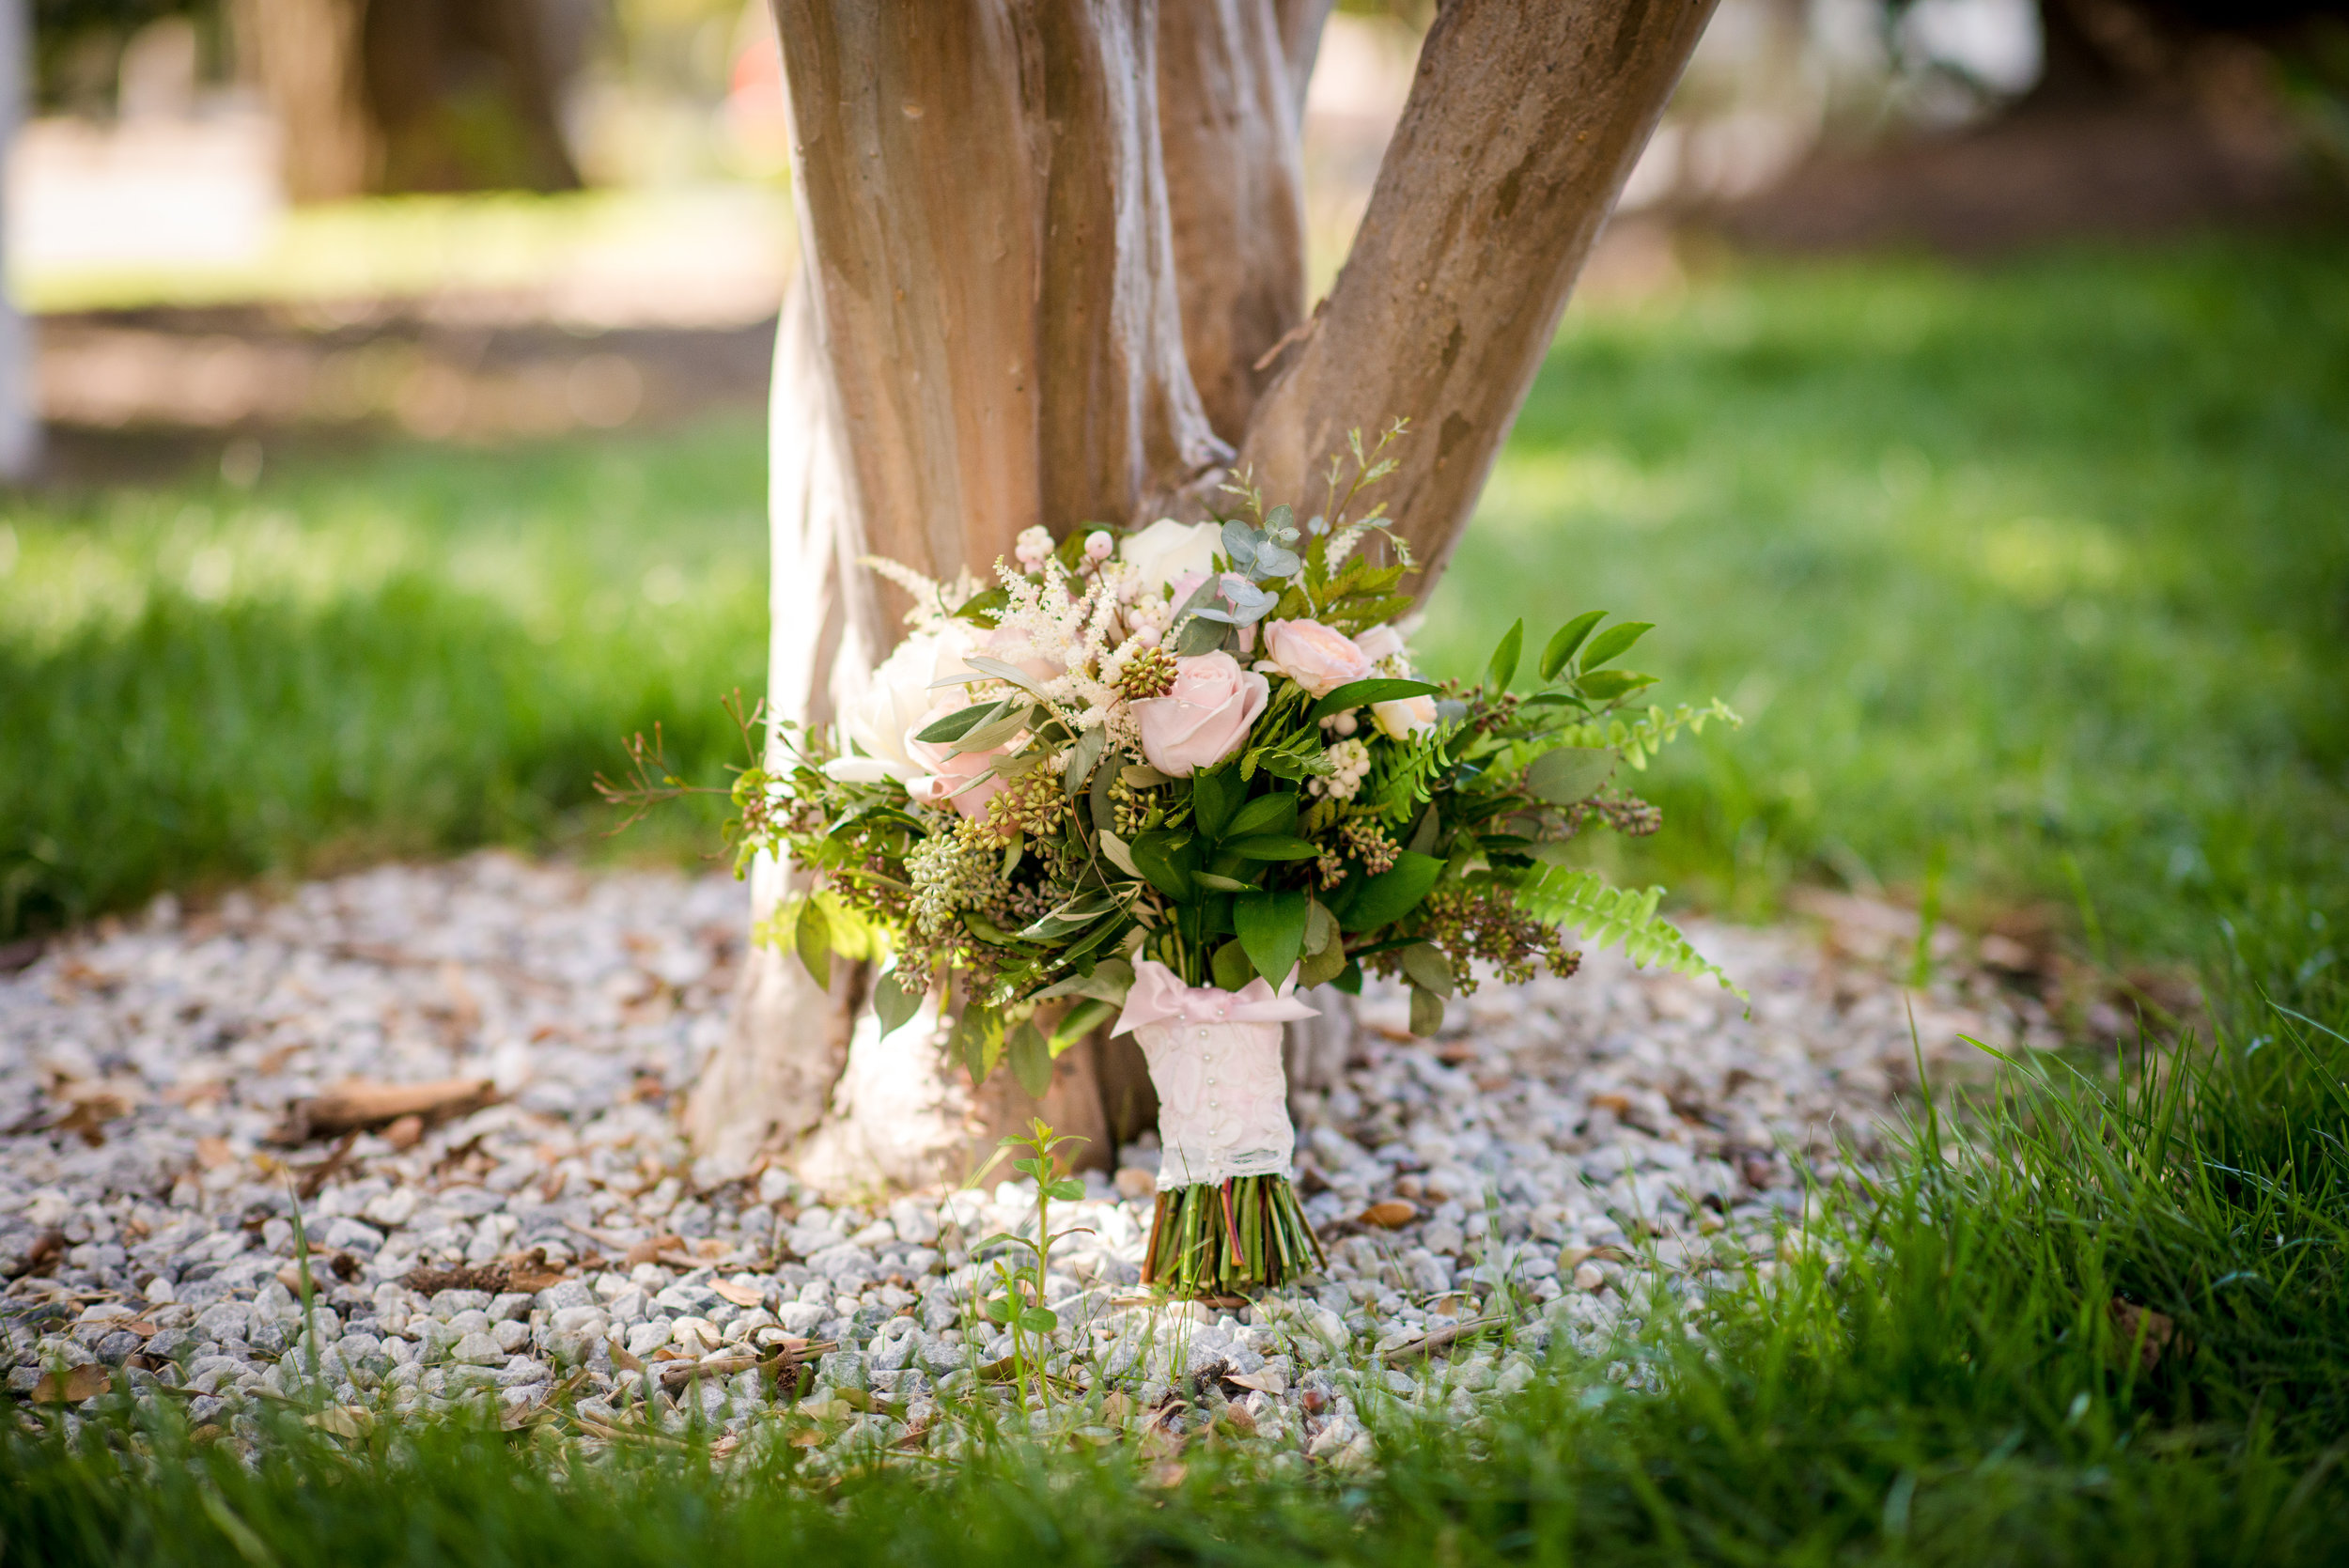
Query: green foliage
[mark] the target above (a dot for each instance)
(2028, 560)
(404, 651)
(1016, 1302)
(1615, 917)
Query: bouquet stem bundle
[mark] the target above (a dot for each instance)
(1215, 1238)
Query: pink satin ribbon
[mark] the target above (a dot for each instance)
(1160, 996)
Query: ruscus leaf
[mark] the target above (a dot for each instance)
(1503, 667)
(1561, 646)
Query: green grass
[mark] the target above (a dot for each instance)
(2044, 561)
(2047, 565)
(1937, 1380)
(394, 652)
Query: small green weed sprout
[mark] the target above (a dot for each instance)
(1017, 1301)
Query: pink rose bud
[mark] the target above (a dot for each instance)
(1320, 658)
(1205, 718)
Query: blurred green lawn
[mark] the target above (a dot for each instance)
(2044, 566)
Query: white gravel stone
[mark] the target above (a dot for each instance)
(1564, 1147)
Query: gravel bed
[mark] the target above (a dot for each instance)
(1565, 1148)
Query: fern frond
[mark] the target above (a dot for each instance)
(1617, 917)
(1643, 737)
(1406, 780)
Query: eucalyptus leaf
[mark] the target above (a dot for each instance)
(1081, 1020)
(1322, 966)
(1569, 773)
(1139, 775)
(1428, 968)
(1111, 979)
(1030, 1057)
(1103, 809)
(1321, 927)
(1231, 967)
(1117, 853)
(1430, 827)
(894, 1002)
(1427, 1013)
(1222, 884)
(1278, 561)
(1200, 634)
(812, 934)
(1005, 670)
(1084, 754)
(1239, 545)
(961, 722)
(995, 731)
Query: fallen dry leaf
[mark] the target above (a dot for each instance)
(344, 1421)
(1619, 1104)
(213, 1153)
(46, 1249)
(404, 1133)
(359, 1104)
(1391, 1214)
(1269, 1381)
(1117, 1408)
(2158, 1329)
(742, 1295)
(650, 1249)
(1236, 1419)
(79, 1383)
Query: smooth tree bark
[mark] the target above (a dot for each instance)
(1054, 271)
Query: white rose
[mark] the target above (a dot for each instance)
(882, 721)
(1404, 717)
(1166, 549)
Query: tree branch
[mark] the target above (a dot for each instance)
(1234, 183)
(1521, 127)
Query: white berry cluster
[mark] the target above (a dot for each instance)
(1351, 759)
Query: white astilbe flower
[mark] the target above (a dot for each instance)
(933, 603)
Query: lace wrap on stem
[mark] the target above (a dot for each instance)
(1215, 1058)
(1223, 1101)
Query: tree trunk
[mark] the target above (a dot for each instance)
(1521, 127)
(375, 95)
(1048, 244)
(307, 56)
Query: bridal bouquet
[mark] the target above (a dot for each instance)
(1173, 776)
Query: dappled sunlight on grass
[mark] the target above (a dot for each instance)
(2032, 562)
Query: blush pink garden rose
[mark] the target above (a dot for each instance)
(1319, 658)
(1205, 718)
